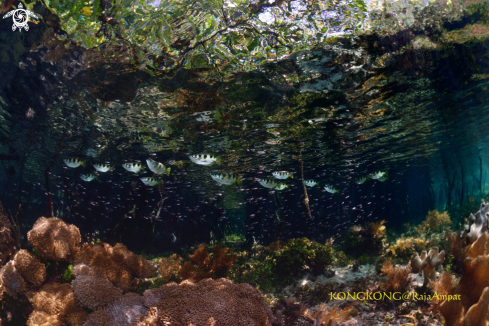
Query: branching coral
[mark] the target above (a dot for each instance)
(397, 277)
(117, 264)
(55, 303)
(435, 222)
(206, 265)
(209, 302)
(54, 239)
(169, 266)
(30, 267)
(93, 291)
(428, 263)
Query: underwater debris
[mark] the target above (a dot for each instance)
(477, 225)
(54, 239)
(397, 277)
(428, 263)
(224, 303)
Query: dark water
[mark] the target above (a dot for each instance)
(420, 117)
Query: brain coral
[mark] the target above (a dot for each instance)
(30, 267)
(208, 302)
(54, 239)
(11, 280)
(56, 301)
(93, 291)
(117, 264)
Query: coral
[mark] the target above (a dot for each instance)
(11, 280)
(206, 265)
(54, 239)
(93, 291)
(208, 302)
(428, 263)
(56, 301)
(405, 246)
(30, 267)
(117, 264)
(474, 280)
(477, 225)
(441, 286)
(435, 222)
(456, 251)
(40, 318)
(9, 237)
(122, 312)
(327, 315)
(169, 266)
(478, 314)
(397, 277)
(377, 229)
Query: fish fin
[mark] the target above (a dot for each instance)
(292, 175)
(96, 177)
(239, 182)
(84, 163)
(168, 171)
(218, 159)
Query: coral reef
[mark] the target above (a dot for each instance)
(405, 246)
(208, 302)
(117, 264)
(428, 263)
(397, 277)
(434, 222)
(55, 304)
(30, 267)
(9, 237)
(456, 251)
(204, 265)
(54, 239)
(369, 239)
(477, 225)
(472, 284)
(442, 287)
(325, 315)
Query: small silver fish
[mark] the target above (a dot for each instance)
(103, 167)
(88, 177)
(377, 175)
(149, 181)
(157, 167)
(317, 120)
(274, 141)
(74, 162)
(133, 167)
(205, 159)
(227, 179)
(331, 189)
(361, 180)
(282, 175)
(310, 183)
